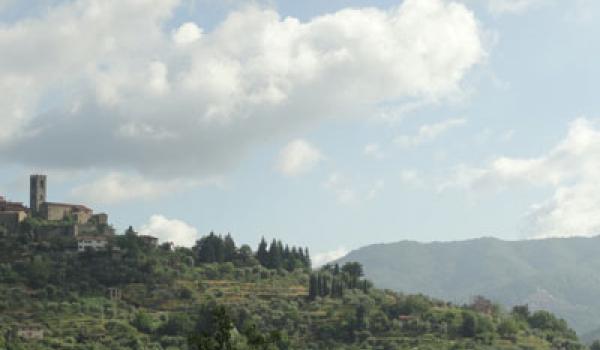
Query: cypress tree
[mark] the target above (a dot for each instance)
(274, 255)
(307, 262)
(312, 287)
(261, 254)
(229, 248)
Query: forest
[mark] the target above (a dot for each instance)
(218, 295)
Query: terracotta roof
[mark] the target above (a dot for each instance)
(11, 206)
(78, 206)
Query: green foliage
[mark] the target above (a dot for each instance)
(332, 281)
(218, 249)
(172, 300)
(556, 273)
(143, 322)
(216, 333)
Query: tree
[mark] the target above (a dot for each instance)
(262, 254)
(229, 248)
(521, 312)
(177, 324)
(143, 322)
(354, 271)
(307, 262)
(508, 328)
(210, 249)
(217, 334)
(595, 345)
(468, 329)
(274, 261)
(312, 287)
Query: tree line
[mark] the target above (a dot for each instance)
(218, 249)
(332, 280)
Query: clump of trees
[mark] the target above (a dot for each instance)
(218, 249)
(332, 281)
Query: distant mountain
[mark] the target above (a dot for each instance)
(559, 275)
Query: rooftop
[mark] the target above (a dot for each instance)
(78, 206)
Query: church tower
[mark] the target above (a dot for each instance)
(37, 193)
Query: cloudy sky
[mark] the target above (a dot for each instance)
(331, 124)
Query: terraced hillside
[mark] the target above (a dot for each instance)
(145, 297)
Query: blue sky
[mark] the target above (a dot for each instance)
(328, 124)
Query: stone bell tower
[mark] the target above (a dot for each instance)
(37, 193)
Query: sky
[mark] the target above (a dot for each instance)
(328, 124)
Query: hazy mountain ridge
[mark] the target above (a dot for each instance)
(559, 274)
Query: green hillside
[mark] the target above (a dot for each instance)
(560, 275)
(221, 296)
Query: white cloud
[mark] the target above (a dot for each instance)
(321, 259)
(170, 230)
(571, 168)
(373, 150)
(428, 132)
(93, 82)
(187, 33)
(298, 157)
(117, 187)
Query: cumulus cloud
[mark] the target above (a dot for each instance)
(571, 169)
(170, 230)
(187, 33)
(107, 84)
(298, 157)
(428, 133)
(323, 258)
(117, 187)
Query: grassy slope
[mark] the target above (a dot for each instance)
(279, 299)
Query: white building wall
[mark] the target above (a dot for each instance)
(95, 244)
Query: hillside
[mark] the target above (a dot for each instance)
(135, 295)
(560, 275)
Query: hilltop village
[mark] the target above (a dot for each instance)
(44, 219)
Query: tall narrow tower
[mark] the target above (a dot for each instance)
(37, 193)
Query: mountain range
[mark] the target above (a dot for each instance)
(561, 275)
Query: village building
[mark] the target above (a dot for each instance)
(91, 242)
(60, 219)
(11, 214)
(149, 240)
(76, 218)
